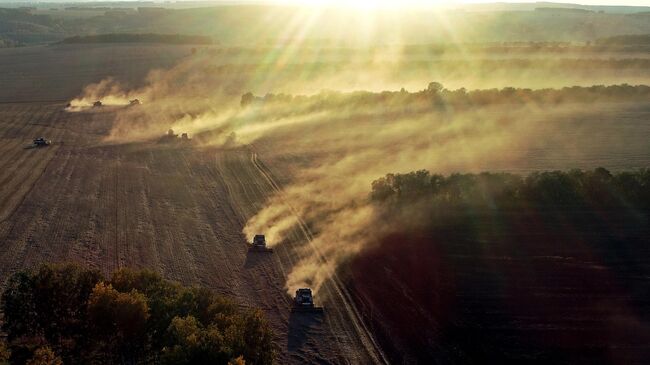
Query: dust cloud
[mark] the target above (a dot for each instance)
(346, 148)
(109, 91)
(353, 150)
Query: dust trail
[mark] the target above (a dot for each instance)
(109, 91)
(342, 150)
(349, 153)
(205, 88)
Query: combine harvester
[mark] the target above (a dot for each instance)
(259, 244)
(172, 137)
(41, 142)
(304, 302)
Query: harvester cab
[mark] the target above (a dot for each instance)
(259, 244)
(304, 302)
(41, 142)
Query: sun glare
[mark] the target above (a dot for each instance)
(373, 4)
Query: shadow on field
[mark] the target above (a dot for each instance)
(255, 259)
(300, 326)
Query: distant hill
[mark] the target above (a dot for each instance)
(501, 6)
(139, 38)
(245, 25)
(565, 10)
(626, 40)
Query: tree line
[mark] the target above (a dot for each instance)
(68, 314)
(139, 38)
(595, 189)
(626, 40)
(488, 257)
(436, 96)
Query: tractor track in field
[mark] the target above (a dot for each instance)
(118, 264)
(178, 211)
(19, 158)
(22, 181)
(368, 341)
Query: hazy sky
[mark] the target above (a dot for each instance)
(431, 2)
(446, 2)
(583, 2)
(395, 2)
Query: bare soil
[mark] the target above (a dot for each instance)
(167, 207)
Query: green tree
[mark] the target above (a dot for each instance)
(48, 306)
(257, 341)
(192, 343)
(4, 352)
(136, 317)
(247, 99)
(45, 356)
(435, 87)
(119, 319)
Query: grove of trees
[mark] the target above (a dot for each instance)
(139, 38)
(571, 189)
(437, 97)
(504, 268)
(68, 314)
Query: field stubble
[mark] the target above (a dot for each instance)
(167, 207)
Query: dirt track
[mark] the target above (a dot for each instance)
(169, 207)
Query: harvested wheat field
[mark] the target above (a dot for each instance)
(170, 208)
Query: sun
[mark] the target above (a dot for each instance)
(371, 4)
(364, 4)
